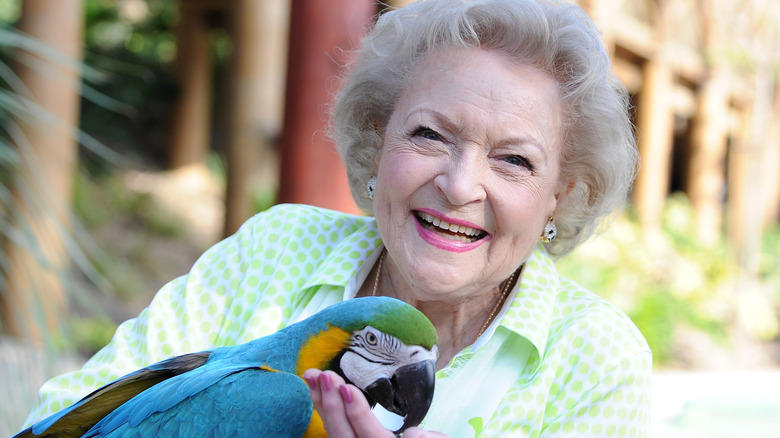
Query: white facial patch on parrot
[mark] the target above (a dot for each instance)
(374, 354)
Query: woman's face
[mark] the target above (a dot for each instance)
(472, 145)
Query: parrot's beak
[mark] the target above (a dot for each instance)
(408, 393)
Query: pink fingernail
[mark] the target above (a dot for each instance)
(311, 381)
(346, 394)
(325, 381)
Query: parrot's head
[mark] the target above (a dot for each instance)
(390, 353)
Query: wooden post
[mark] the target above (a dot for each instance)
(34, 302)
(311, 171)
(191, 124)
(772, 166)
(746, 206)
(655, 124)
(604, 16)
(256, 93)
(398, 3)
(738, 186)
(707, 166)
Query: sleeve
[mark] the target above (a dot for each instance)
(603, 371)
(593, 377)
(617, 404)
(191, 313)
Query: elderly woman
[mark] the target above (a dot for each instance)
(485, 138)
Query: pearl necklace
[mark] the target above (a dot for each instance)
(493, 312)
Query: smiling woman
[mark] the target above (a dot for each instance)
(483, 138)
(484, 117)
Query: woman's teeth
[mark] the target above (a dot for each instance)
(464, 234)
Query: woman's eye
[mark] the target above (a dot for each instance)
(517, 160)
(426, 133)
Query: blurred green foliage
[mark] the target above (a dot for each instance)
(90, 334)
(130, 46)
(10, 10)
(769, 265)
(106, 208)
(667, 280)
(128, 88)
(104, 198)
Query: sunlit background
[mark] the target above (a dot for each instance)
(136, 133)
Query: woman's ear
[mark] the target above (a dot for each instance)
(380, 139)
(564, 192)
(560, 195)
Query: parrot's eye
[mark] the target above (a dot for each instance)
(371, 338)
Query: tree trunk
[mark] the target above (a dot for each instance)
(706, 182)
(34, 300)
(191, 125)
(311, 170)
(746, 200)
(655, 123)
(254, 105)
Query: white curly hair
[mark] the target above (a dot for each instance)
(598, 156)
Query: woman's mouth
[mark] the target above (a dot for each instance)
(450, 231)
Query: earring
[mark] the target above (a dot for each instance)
(371, 186)
(550, 231)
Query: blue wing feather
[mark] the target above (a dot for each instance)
(247, 402)
(168, 394)
(79, 417)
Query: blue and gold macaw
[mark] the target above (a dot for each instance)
(383, 346)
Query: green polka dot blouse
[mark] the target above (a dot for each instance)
(557, 361)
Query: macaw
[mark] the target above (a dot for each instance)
(383, 346)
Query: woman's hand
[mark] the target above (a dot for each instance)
(345, 411)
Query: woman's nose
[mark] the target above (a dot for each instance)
(462, 180)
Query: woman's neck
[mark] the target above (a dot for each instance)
(458, 323)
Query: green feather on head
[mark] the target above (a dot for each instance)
(394, 317)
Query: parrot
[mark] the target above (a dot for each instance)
(383, 346)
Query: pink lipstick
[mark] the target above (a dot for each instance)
(448, 233)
